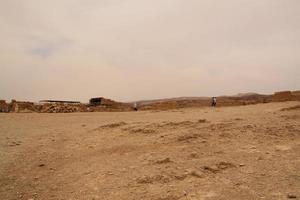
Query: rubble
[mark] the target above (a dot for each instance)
(62, 108)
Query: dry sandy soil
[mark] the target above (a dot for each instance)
(243, 152)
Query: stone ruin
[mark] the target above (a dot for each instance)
(3, 106)
(54, 106)
(101, 104)
(17, 106)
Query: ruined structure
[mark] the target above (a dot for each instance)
(3, 106)
(57, 106)
(103, 104)
(22, 106)
(101, 101)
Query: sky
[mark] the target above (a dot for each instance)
(131, 50)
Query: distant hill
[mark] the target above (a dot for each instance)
(146, 102)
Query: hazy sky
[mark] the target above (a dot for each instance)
(144, 49)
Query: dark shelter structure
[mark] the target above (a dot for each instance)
(96, 101)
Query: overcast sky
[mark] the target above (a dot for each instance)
(144, 49)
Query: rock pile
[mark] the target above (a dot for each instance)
(62, 108)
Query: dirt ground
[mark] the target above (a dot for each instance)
(242, 152)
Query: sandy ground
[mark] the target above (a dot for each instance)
(245, 152)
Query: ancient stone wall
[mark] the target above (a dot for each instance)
(282, 96)
(62, 108)
(22, 106)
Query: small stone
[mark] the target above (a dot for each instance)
(196, 174)
(163, 161)
(212, 169)
(194, 155)
(260, 158)
(202, 120)
(41, 165)
(291, 196)
(241, 165)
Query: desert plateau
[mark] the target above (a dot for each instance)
(240, 152)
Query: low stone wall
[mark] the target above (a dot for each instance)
(282, 96)
(22, 106)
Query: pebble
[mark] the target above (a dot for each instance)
(194, 155)
(196, 174)
(260, 158)
(291, 196)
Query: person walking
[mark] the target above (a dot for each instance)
(135, 106)
(214, 102)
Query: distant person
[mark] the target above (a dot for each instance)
(135, 106)
(214, 102)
